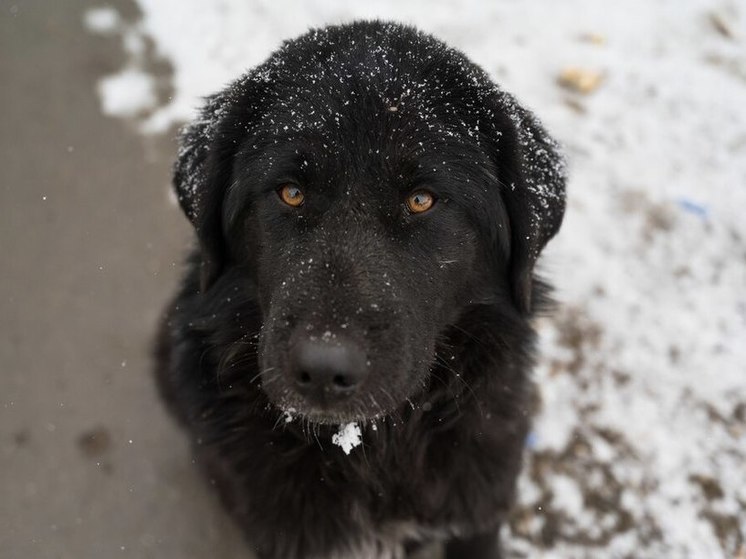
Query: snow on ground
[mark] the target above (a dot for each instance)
(639, 448)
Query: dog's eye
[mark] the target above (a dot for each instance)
(420, 201)
(291, 195)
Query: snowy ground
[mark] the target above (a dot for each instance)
(639, 449)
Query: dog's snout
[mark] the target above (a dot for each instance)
(326, 371)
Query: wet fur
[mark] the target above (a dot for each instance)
(441, 453)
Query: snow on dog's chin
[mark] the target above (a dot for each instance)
(348, 437)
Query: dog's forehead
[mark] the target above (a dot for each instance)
(331, 81)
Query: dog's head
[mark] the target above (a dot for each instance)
(370, 184)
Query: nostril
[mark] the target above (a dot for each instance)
(304, 378)
(341, 381)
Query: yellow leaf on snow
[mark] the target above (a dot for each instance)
(580, 80)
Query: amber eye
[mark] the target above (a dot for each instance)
(291, 195)
(420, 201)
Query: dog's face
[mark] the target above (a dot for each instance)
(366, 198)
(364, 248)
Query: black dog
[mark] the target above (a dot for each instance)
(351, 347)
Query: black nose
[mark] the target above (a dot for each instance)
(327, 371)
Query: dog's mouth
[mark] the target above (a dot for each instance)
(326, 417)
(362, 406)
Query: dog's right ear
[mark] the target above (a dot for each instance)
(197, 187)
(204, 167)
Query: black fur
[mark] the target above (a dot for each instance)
(359, 116)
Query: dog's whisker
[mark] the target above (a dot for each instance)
(458, 376)
(260, 373)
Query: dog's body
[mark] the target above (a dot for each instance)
(423, 315)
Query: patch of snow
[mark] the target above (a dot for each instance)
(348, 437)
(104, 20)
(567, 495)
(127, 94)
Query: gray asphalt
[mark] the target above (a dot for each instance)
(90, 464)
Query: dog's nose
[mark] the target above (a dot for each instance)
(327, 371)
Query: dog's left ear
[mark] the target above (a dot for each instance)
(532, 176)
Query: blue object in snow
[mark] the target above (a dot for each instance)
(693, 208)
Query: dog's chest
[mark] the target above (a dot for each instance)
(417, 496)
